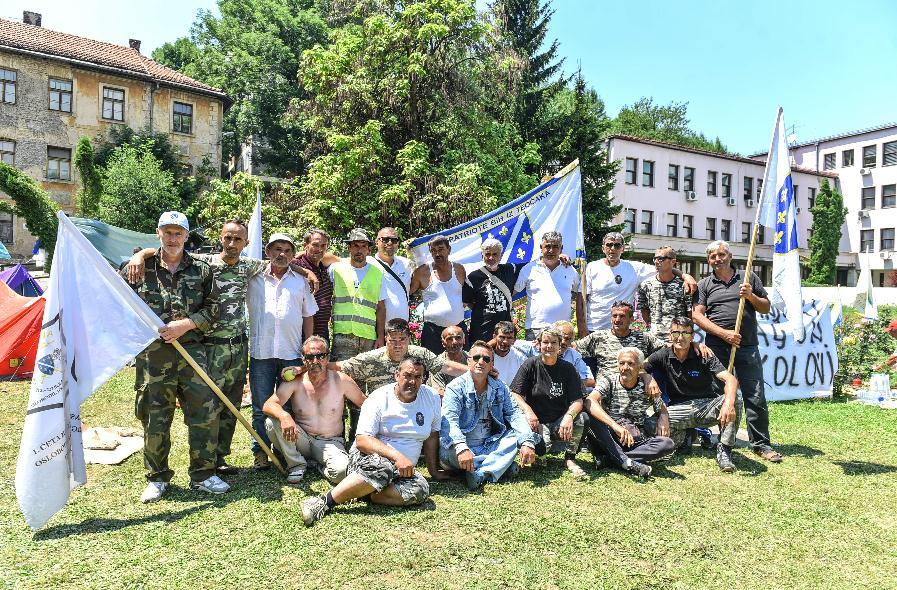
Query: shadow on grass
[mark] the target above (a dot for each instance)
(864, 468)
(798, 451)
(105, 525)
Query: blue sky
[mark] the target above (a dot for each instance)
(832, 66)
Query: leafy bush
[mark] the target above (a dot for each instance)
(861, 345)
(136, 190)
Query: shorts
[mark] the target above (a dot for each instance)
(379, 472)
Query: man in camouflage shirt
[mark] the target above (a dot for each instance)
(662, 297)
(604, 345)
(182, 292)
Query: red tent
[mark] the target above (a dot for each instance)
(20, 322)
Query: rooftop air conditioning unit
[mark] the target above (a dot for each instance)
(691, 196)
(865, 171)
(863, 214)
(749, 203)
(885, 253)
(731, 202)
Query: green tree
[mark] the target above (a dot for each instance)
(136, 189)
(31, 203)
(88, 198)
(667, 123)
(829, 214)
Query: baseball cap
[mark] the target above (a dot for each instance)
(358, 235)
(174, 218)
(280, 238)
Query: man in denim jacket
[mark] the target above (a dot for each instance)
(483, 430)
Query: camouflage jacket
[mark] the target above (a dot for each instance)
(232, 281)
(604, 346)
(374, 368)
(664, 301)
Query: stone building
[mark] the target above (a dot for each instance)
(56, 88)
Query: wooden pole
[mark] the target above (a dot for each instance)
(233, 409)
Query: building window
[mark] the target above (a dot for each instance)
(183, 117)
(887, 238)
(647, 222)
(761, 233)
(796, 193)
(59, 163)
(748, 187)
(868, 197)
(672, 225)
(113, 104)
(760, 271)
(688, 222)
(61, 95)
(629, 221)
(889, 195)
(688, 179)
(760, 189)
(631, 170)
(6, 223)
(725, 230)
(811, 199)
(869, 156)
(8, 86)
(828, 162)
(8, 151)
(846, 158)
(889, 153)
(727, 185)
(881, 279)
(705, 269)
(673, 182)
(746, 232)
(711, 228)
(867, 240)
(647, 173)
(711, 183)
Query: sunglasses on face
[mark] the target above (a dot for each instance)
(662, 258)
(613, 245)
(676, 334)
(388, 240)
(317, 356)
(481, 357)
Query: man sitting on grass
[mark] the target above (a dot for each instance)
(396, 421)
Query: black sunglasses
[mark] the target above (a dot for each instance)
(614, 245)
(388, 240)
(662, 258)
(481, 357)
(316, 356)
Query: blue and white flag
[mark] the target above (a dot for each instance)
(779, 213)
(254, 248)
(555, 205)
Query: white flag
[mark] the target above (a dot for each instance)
(254, 248)
(93, 325)
(865, 300)
(778, 212)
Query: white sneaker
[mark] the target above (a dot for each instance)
(212, 485)
(153, 491)
(295, 475)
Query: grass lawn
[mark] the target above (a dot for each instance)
(825, 518)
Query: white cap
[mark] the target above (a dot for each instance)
(174, 218)
(280, 238)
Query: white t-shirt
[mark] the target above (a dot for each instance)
(548, 292)
(396, 298)
(402, 426)
(602, 285)
(507, 365)
(360, 273)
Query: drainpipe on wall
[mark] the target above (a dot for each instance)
(817, 156)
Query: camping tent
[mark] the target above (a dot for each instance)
(20, 280)
(114, 243)
(20, 323)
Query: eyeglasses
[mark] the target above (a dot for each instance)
(389, 240)
(316, 356)
(613, 245)
(481, 357)
(662, 258)
(677, 333)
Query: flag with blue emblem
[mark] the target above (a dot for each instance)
(554, 205)
(778, 212)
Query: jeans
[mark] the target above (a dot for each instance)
(603, 442)
(493, 458)
(749, 370)
(264, 377)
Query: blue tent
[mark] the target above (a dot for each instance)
(20, 280)
(114, 243)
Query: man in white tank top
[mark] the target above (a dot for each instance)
(441, 284)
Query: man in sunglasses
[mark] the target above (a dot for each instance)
(663, 297)
(692, 384)
(483, 430)
(316, 399)
(396, 273)
(612, 279)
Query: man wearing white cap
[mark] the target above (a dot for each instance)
(281, 308)
(183, 293)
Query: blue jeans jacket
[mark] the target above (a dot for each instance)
(459, 413)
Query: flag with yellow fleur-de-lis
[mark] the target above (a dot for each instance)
(778, 211)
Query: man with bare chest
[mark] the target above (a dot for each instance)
(317, 399)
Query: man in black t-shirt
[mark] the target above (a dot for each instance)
(488, 290)
(692, 384)
(549, 391)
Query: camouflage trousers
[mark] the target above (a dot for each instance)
(164, 377)
(228, 364)
(345, 346)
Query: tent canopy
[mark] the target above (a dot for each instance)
(20, 280)
(114, 243)
(20, 324)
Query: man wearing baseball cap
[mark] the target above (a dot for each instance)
(182, 292)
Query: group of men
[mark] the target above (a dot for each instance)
(324, 335)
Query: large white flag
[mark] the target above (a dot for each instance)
(254, 248)
(864, 301)
(555, 205)
(93, 325)
(778, 212)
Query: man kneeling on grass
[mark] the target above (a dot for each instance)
(396, 421)
(620, 431)
(317, 399)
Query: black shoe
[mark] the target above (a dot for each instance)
(639, 469)
(724, 458)
(600, 463)
(225, 468)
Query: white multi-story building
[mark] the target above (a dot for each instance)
(866, 164)
(684, 197)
